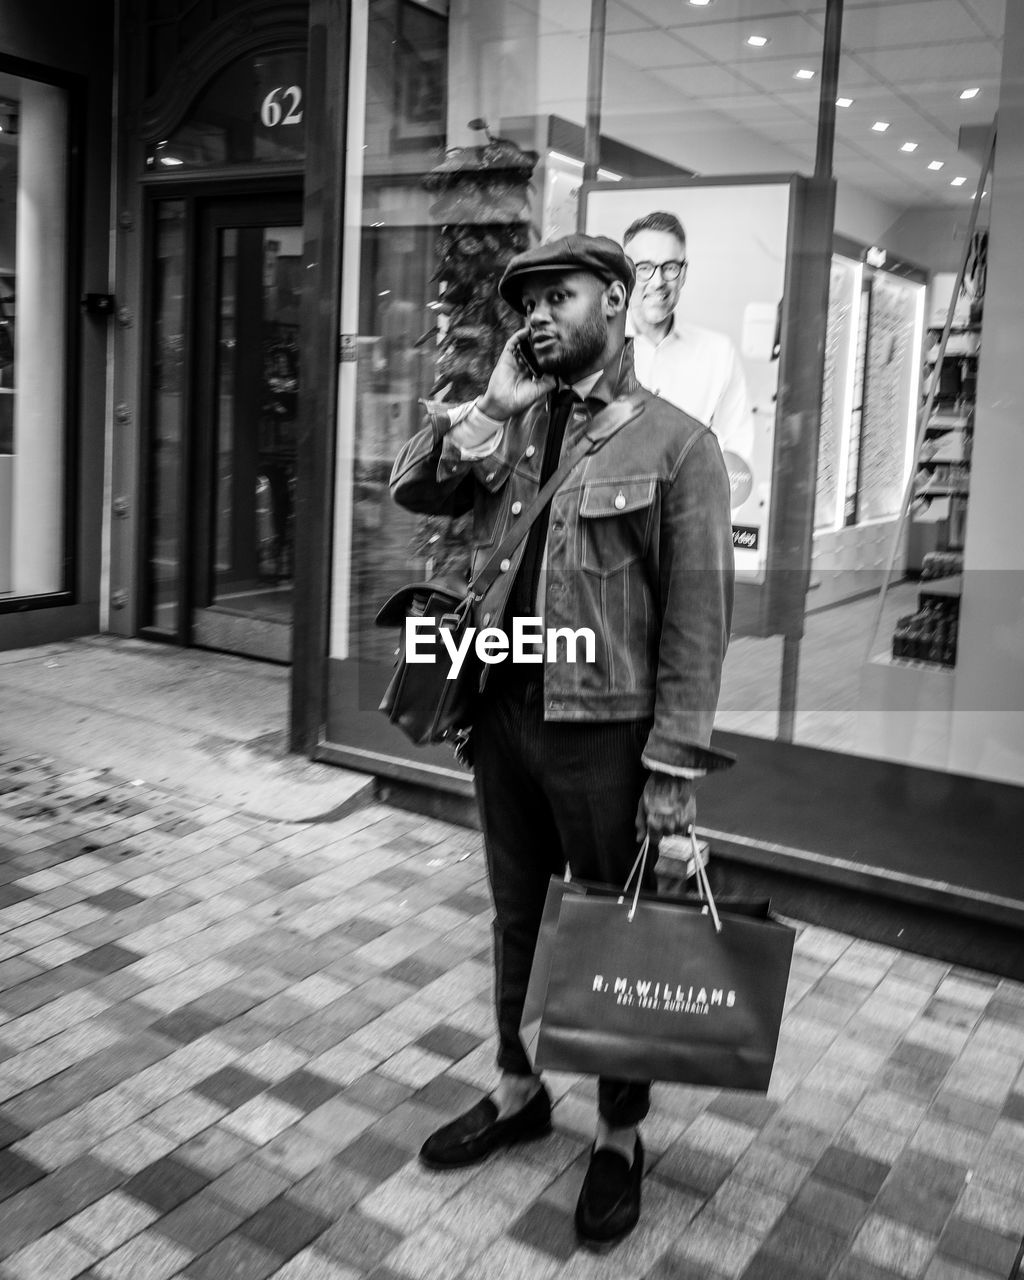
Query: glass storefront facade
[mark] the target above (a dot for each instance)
(313, 201)
(34, 340)
(475, 128)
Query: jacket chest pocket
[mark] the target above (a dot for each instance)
(615, 523)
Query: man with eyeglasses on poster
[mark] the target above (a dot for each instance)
(696, 369)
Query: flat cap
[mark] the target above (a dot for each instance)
(599, 255)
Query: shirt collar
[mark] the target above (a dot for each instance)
(671, 332)
(584, 387)
(617, 377)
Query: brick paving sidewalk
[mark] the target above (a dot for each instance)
(223, 1038)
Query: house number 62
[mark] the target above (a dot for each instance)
(282, 106)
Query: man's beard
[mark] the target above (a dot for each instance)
(577, 350)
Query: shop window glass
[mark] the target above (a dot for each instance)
(469, 136)
(253, 112)
(919, 87)
(33, 320)
(687, 92)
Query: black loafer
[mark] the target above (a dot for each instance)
(609, 1205)
(476, 1134)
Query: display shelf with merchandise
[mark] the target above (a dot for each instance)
(937, 512)
(908, 679)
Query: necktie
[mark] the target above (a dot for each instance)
(524, 590)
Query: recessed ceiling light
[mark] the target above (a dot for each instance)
(803, 74)
(937, 165)
(758, 42)
(880, 126)
(844, 102)
(969, 93)
(958, 182)
(700, 4)
(909, 146)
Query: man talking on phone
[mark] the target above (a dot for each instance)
(576, 762)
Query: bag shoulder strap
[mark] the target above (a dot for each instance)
(612, 418)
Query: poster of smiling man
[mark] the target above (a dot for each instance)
(711, 270)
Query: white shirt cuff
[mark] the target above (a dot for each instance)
(475, 433)
(674, 770)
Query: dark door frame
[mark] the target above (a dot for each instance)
(279, 195)
(247, 213)
(324, 224)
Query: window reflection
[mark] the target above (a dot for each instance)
(684, 92)
(33, 335)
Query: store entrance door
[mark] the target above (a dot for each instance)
(248, 369)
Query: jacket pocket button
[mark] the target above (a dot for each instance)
(620, 501)
(516, 508)
(530, 451)
(505, 566)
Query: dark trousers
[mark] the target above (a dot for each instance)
(552, 794)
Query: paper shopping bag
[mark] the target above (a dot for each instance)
(657, 992)
(540, 970)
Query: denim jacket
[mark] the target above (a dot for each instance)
(639, 550)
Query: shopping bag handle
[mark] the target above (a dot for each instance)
(701, 872)
(638, 868)
(703, 883)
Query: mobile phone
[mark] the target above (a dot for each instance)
(527, 358)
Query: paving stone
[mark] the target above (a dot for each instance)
(747, 1109)
(840, 1210)
(304, 1090)
(107, 959)
(166, 1184)
(921, 1191)
(805, 1244)
(55, 1256)
(114, 900)
(10, 1132)
(851, 1170)
(248, 1185)
(310, 1265)
(111, 1221)
(284, 1227)
(429, 1255)
(358, 1241)
(448, 1042)
(978, 1246)
(148, 1255)
(234, 1258)
(694, 1169)
(672, 1267)
(231, 1086)
(373, 1156)
(887, 1243)
(766, 1265)
(331, 1189)
(546, 1228)
(795, 1138)
(17, 1172)
(854, 1268)
(718, 1246)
